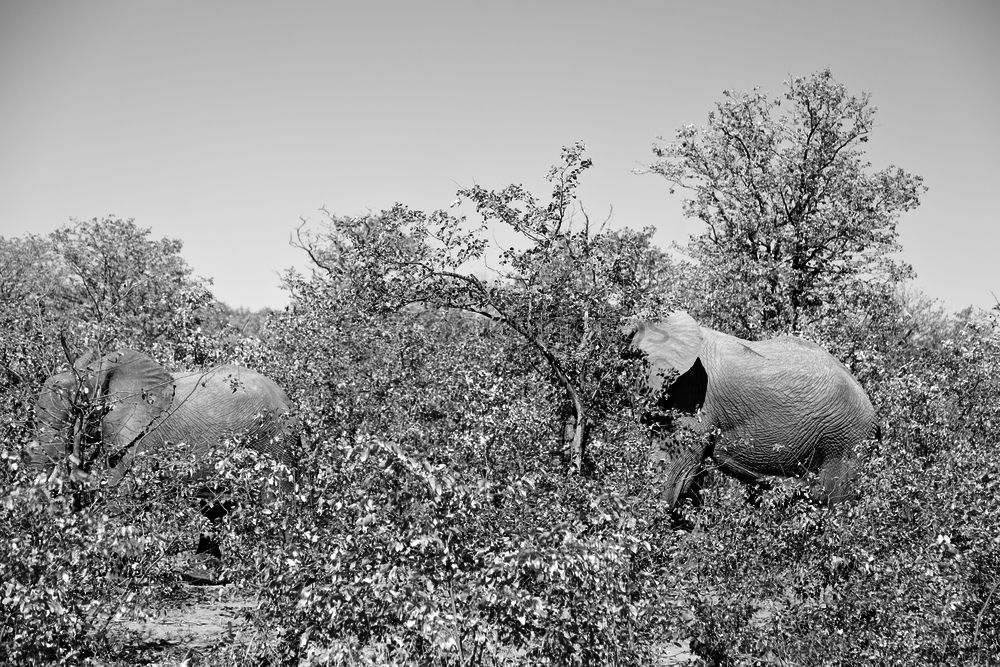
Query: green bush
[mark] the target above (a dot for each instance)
(76, 560)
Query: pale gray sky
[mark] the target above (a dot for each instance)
(222, 123)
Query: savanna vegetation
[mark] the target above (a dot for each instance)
(474, 485)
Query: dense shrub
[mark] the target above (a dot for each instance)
(434, 565)
(71, 570)
(420, 544)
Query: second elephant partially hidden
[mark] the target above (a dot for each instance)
(102, 415)
(781, 407)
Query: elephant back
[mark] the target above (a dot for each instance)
(230, 401)
(783, 394)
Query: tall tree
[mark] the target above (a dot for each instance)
(563, 287)
(104, 283)
(115, 276)
(796, 217)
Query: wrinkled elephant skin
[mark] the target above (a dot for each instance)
(782, 407)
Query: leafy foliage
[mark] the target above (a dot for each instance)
(107, 283)
(436, 519)
(564, 293)
(795, 218)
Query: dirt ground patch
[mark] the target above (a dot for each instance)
(203, 619)
(206, 619)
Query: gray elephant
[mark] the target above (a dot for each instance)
(782, 407)
(100, 415)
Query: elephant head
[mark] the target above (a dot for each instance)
(779, 407)
(677, 383)
(108, 403)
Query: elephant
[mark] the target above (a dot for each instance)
(100, 415)
(778, 407)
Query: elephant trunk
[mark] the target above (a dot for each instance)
(682, 468)
(679, 485)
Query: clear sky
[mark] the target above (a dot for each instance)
(223, 123)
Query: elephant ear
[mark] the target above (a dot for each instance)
(137, 390)
(672, 344)
(52, 420)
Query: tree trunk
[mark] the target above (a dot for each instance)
(575, 434)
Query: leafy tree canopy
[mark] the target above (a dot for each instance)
(564, 288)
(105, 281)
(796, 218)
